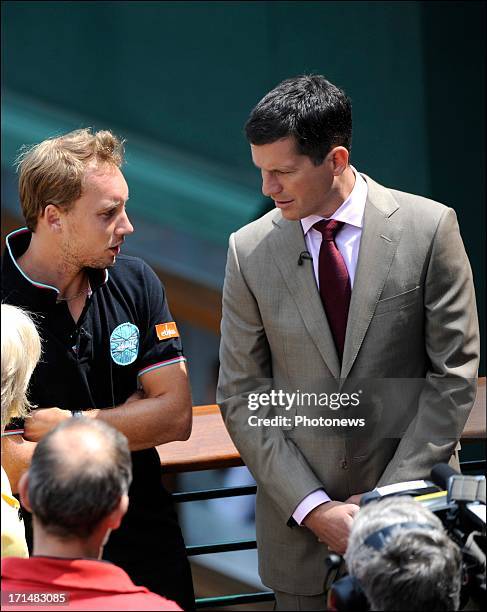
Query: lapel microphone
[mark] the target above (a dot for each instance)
(302, 256)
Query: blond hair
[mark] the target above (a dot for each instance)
(21, 350)
(52, 171)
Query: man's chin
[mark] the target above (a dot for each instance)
(289, 214)
(102, 264)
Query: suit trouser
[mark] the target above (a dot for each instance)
(288, 601)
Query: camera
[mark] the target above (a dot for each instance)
(459, 502)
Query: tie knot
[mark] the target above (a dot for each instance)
(328, 228)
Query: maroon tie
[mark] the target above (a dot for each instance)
(335, 288)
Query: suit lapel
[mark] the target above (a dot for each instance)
(286, 243)
(380, 236)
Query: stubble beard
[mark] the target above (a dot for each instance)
(73, 260)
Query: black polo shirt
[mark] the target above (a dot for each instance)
(96, 362)
(125, 330)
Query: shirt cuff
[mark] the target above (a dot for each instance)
(310, 502)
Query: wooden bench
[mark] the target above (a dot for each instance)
(210, 446)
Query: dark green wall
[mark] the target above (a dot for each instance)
(454, 58)
(187, 73)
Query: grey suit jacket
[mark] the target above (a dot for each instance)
(412, 317)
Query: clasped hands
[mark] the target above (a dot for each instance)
(40, 422)
(332, 522)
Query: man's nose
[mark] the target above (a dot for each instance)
(125, 227)
(270, 185)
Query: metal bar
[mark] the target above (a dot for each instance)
(472, 465)
(213, 493)
(229, 600)
(251, 489)
(206, 549)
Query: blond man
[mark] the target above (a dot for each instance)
(102, 315)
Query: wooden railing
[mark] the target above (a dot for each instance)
(210, 446)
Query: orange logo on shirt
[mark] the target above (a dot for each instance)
(165, 331)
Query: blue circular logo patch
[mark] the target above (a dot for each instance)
(124, 344)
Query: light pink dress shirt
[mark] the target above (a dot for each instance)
(351, 212)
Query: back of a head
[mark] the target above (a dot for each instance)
(415, 569)
(21, 350)
(52, 171)
(309, 108)
(79, 472)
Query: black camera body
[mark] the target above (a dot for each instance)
(459, 502)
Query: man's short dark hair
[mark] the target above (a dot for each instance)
(309, 108)
(71, 492)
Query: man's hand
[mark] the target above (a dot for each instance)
(354, 499)
(331, 523)
(39, 422)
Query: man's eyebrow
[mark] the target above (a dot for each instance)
(115, 203)
(118, 201)
(278, 167)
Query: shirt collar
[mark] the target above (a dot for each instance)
(90, 574)
(15, 279)
(350, 212)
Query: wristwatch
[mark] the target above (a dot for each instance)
(77, 414)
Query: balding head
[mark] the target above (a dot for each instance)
(79, 472)
(81, 442)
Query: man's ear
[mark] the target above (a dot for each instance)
(52, 217)
(24, 491)
(339, 157)
(117, 514)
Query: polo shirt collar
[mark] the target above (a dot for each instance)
(351, 211)
(36, 293)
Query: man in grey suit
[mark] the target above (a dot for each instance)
(347, 286)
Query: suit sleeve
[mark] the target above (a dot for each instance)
(246, 367)
(452, 346)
